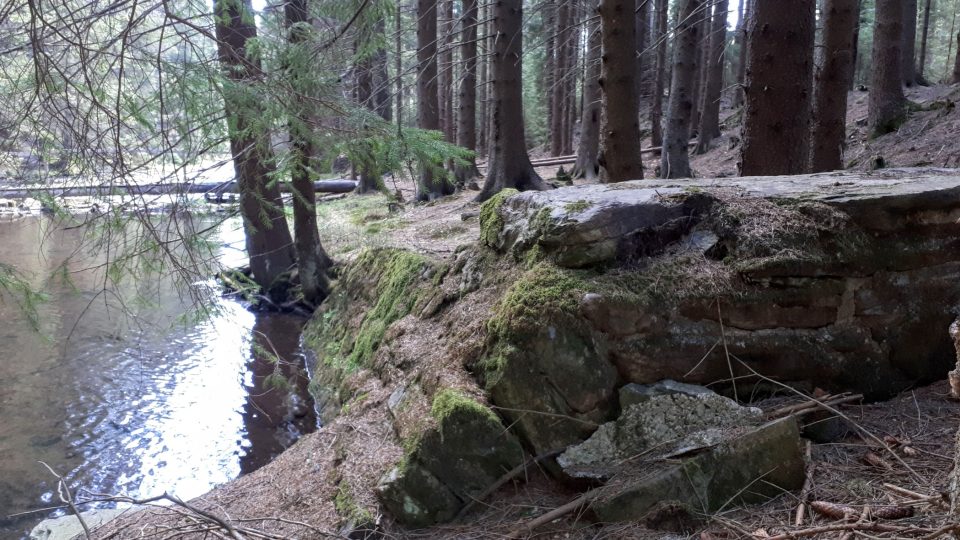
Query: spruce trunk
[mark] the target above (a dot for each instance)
(779, 74)
(830, 94)
(675, 158)
(268, 241)
(587, 166)
(620, 122)
(886, 102)
(509, 164)
(710, 117)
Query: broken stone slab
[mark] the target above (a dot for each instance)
(455, 450)
(667, 424)
(761, 463)
(416, 497)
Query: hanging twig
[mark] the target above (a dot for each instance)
(63, 490)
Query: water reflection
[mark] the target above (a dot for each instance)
(135, 401)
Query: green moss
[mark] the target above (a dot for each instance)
(491, 223)
(448, 402)
(540, 291)
(395, 272)
(348, 508)
(578, 206)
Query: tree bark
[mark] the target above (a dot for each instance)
(642, 23)
(779, 75)
(710, 117)
(855, 57)
(549, 13)
(509, 164)
(368, 180)
(382, 102)
(620, 124)
(561, 73)
(703, 30)
(483, 89)
(909, 42)
(268, 241)
(312, 260)
(675, 157)
(587, 166)
(953, 26)
(956, 63)
(445, 67)
(830, 94)
(656, 106)
(572, 80)
(741, 43)
(430, 186)
(740, 95)
(922, 63)
(398, 61)
(467, 114)
(886, 102)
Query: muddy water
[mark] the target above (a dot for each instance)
(125, 397)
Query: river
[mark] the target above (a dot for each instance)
(134, 393)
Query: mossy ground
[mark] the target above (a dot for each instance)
(491, 223)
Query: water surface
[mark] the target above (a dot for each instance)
(119, 394)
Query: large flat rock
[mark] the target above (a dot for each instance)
(838, 281)
(596, 223)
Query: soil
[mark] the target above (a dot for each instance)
(295, 495)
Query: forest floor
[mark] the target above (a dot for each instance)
(911, 434)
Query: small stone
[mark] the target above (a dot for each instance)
(634, 393)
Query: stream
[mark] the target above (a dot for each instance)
(134, 397)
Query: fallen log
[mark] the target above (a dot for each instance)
(564, 160)
(208, 188)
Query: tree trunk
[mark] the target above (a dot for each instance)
(642, 22)
(312, 260)
(445, 68)
(740, 95)
(922, 63)
(620, 124)
(509, 164)
(675, 157)
(382, 102)
(368, 180)
(855, 57)
(710, 117)
(698, 60)
(953, 26)
(268, 241)
(587, 166)
(483, 90)
(779, 76)
(549, 18)
(573, 53)
(886, 101)
(398, 61)
(561, 73)
(467, 114)
(656, 106)
(830, 94)
(956, 63)
(741, 43)
(431, 185)
(909, 42)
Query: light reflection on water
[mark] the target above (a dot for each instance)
(138, 405)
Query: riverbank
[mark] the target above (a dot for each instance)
(404, 341)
